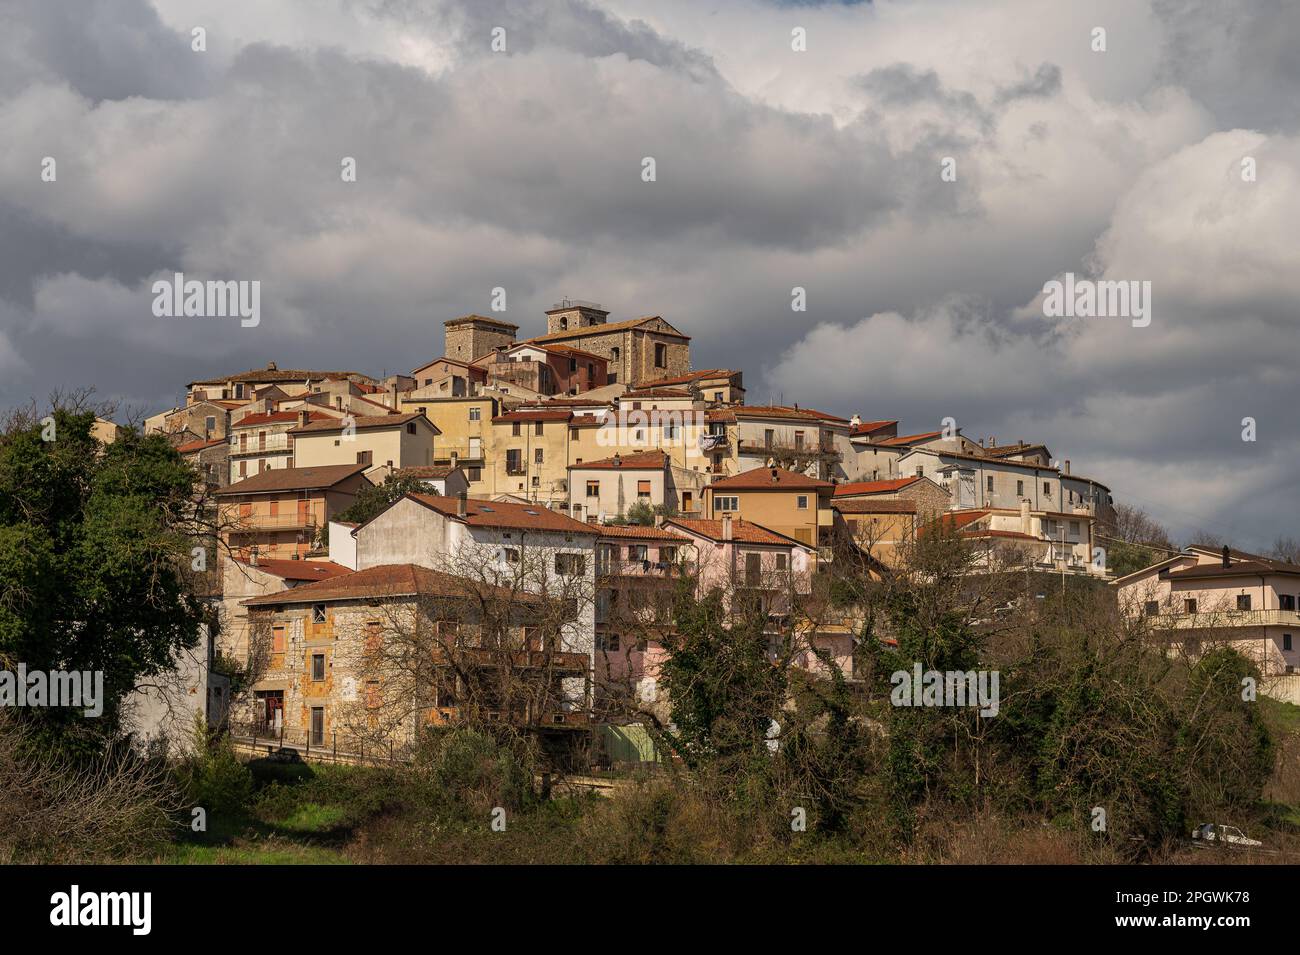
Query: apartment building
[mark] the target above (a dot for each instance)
(380, 443)
(263, 442)
(529, 456)
(792, 504)
(1203, 594)
(281, 512)
(799, 439)
(714, 386)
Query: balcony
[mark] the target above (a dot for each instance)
(1225, 619)
(271, 444)
(251, 523)
(555, 660)
(636, 568)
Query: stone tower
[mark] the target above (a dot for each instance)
(472, 336)
(568, 315)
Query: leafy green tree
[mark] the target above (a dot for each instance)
(95, 561)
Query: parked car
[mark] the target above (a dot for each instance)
(1209, 832)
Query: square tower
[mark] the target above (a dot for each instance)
(472, 336)
(570, 314)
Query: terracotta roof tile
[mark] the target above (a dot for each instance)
(299, 569)
(192, 447)
(745, 532)
(642, 461)
(769, 479)
(589, 330)
(911, 438)
(783, 411)
(292, 479)
(506, 515)
(855, 488)
(637, 532)
(362, 422)
(385, 580)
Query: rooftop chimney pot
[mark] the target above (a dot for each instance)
(726, 527)
(1227, 556)
(461, 504)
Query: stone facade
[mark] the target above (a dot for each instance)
(473, 336)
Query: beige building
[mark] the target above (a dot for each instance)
(282, 513)
(607, 489)
(464, 433)
(529, 456)
(380, 443)
(262, 442)
(795, 505)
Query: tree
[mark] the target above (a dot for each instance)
(1133, 540)
(372, 499)
(95, 558)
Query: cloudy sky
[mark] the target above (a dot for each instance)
(775, 168)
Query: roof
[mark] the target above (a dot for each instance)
(502, 514)
(538, 415)
(960, 519)
(870, 427)
(479, 318)
(984, 460)
(191, 447)
(278, 417)
(637, 532)
(874, 506)
(298, 569)
(981, 533)
(769, 479)
(742, 531)
(278, 374)
(642, 461)
(589, 330)
(655, 393)
(450, 361)
(362, 422)
(691, 376)
(912, 438)
(1006, 450)
(1244, 568)
(586, 421)
(385, 580)
(785, 411)
(293, 479)
(874, 487)
(428, 472)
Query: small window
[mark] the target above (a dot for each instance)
(643, 490)
(1153, 608)
(607, 641)
(537, 428)
(801, 502)
(570, 565)
(410, 427)
(1074, 528)
(317, 613)
(511, 555)
(1286, 601)
(1243, 601)
(726, 503)
(539, 455)
(1189, 605)
(990, 483)
(1047, 489)
(1020, 489)
(637, 551)
(317, 667)
(668, 553)
(474, 474)
(514, 429)
(1286, 641)
(474, 414)
(593, 489)
(365, 457)
(780, 561)
(661, 355)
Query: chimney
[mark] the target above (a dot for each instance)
(618, 461)
(460, 504)
(1227, 556)
(270, 366)
(774, 476)
(394, 395)
(993, 441)
(1067, 465)
(303, 416)
(1025, 523)
(726, 527)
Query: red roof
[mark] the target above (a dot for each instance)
(505, 515)
(644, 461)
(190, 447)
(362, 422)
(783, 411)
(742, 531)
(640, 393)
(870, 427)
(912, 438)
(637, 531)
(385, 580)
(315, 478)
(299, 569)
(874, 487)
(691, 376)
(768, 479)
(278, 417)
(534, 416)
